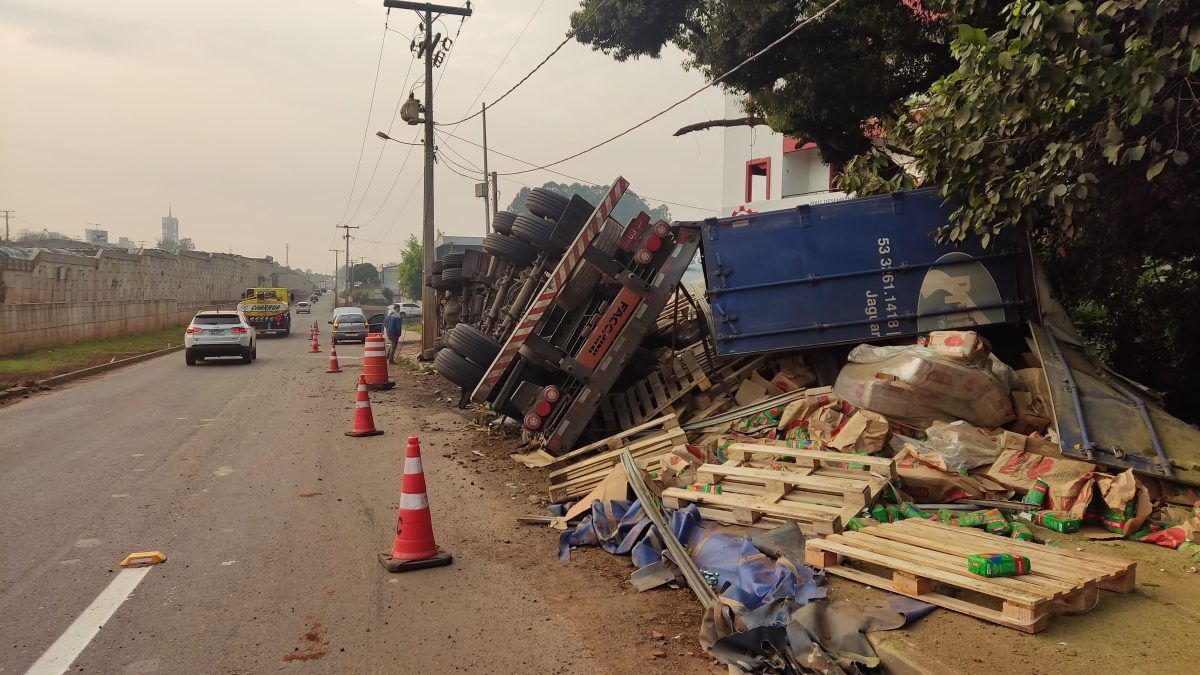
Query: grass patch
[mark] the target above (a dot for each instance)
(66, 358)
(410, 365)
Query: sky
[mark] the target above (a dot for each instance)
(247, 120)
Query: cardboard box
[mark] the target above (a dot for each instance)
(1032, 418)
(1018, 469)
(961, 345)
(927, 483)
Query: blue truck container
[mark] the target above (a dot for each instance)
(850, 271)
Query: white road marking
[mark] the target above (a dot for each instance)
(59, 657)
(119, 495)
(87, 543)
(223, 471)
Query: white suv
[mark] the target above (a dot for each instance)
(217, 333)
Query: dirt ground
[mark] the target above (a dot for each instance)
(1138, 632)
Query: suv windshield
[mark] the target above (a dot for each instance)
(352, 318)
(216, 319)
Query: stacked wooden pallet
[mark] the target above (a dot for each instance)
(654, 394)
(577, 472)
(820, 491)
(921, 552)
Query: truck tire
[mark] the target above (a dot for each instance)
(435, 281)
(546, 203)
(452, 366)
(452, 259)
(582, 283)
(452, 276)
(438, 266)
(472, 343)
(509, 248)
(502, 222)
(537, 232)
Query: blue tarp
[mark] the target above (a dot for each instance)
(748, 576)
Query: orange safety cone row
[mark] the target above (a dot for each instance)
(413, 547)
(316, 329)
(364, 421)
(375, 366)
(334, 367)
(316, 348)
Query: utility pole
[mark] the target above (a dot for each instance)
(349, 281)
(495, 197)
(287, 255)
(428, 299)
(6, 213)
(335, 252)
(487, 220)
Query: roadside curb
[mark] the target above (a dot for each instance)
(74, 375)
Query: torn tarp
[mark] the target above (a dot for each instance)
(745, 575)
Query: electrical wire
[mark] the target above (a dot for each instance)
(383, 147)
(564, 175)
(441, 137)
(501, 64)
(367, 124)
(795, 29)
(570, 34)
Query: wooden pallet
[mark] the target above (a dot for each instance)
(921, 552)
(819, 498)
(579, 477)
(655, 393)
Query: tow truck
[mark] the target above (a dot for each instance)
(267, 310)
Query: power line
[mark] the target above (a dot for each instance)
(391, 123)
(570, 34)
(474, 167)
(367, 124)
(564, 175)
(795, 29)
(501, 64)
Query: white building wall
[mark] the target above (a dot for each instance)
(798, 177)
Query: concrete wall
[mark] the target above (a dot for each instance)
(50, 297)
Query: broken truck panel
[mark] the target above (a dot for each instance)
(1105, 421)
(850, 271)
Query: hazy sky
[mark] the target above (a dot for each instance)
(248, 117)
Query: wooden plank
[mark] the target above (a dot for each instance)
(836, 543)
(854, 492)
(824, 522)
(621, 406)
(1036, 584)
(884, 465)
(953, 604)
(701, 376)
(666, 422)
(658, 388)
(1109, 564)
(607, 416)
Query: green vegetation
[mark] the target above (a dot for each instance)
(410, 271)
(1072, 125)
(365, 273)
(52, 361)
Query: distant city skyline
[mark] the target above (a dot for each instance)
(170, 226)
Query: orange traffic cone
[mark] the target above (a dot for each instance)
(316, 329)
(413, 547)
(316, 348)
(375, 366)
(334, 367)
(364, 421)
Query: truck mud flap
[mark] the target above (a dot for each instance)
(1104, 419)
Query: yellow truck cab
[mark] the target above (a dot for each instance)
(267, 310)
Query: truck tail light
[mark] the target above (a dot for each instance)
(542, 408)
(533, 422)
(653, 243)
(662, 229)
(643, 256)
(551, 394)
(278, 319)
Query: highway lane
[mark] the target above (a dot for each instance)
(270, 517)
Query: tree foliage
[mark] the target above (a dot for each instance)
(410, 271)
(364, 272)
(854, 64)
(627, 208)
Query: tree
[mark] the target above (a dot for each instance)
(388, 293)
(1070, 124)
(364, 272)
(852, 65)
(411, 269)
(626, 209)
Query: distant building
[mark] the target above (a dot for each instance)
(170, 227)
(766, 171)
(446, 243)
(126, 243)
(96, 236)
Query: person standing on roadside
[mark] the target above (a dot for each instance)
(393, 325)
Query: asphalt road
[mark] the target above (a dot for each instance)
(271, 520)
